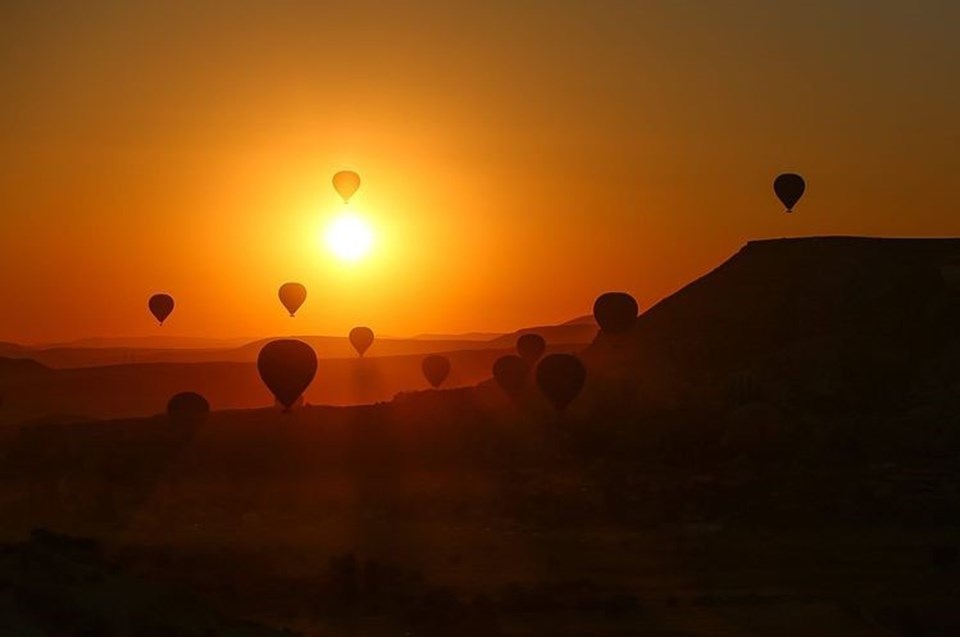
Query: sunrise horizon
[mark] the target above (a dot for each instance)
(497, 318)
(158, 149)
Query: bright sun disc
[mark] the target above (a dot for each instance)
(349, 237)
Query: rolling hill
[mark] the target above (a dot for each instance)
(847, 318)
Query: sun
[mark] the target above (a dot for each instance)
(349, 237)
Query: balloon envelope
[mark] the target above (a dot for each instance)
(361, 338)
(161, 306)
(615, 312)
(292, 295)
(436, 368)
(346, 183)
(531, 347)
(789, 188)
(188, 408)
(511, 373)
(560, 378)
(287, 368)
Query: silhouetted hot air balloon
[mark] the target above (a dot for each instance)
(531, 347)
(188, 408)
(789, 188)
(436, 368)
(361, 338)
(287, 368)
(511, 373)
(560, 378)
(292, 295)
(615, 312)
(346, 182)
(161, 305)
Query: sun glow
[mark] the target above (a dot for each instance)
(349, 237)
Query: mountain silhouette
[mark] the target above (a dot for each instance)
(21, 367)
(799, 309)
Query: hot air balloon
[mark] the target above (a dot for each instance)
(436, 368)
(346, 182)
(560, 378)
(615, 312)
(531, 347)
(361, 338)
(789, 188)
(511, 373)
(287, 368)
(161, 305)
(188, 408)
(292, 295)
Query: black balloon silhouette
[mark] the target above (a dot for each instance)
(292, 295)
(789, 188)
(361, 338)
(615, 312)
(511, 373)
(287, 368)
(435, 368)
(161, 306)
(560, 378)
(531, 347)
(188, 408)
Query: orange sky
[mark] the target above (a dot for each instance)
(518, 157)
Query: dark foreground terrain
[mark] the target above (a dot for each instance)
(772, 451)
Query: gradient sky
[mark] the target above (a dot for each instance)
(518, 157)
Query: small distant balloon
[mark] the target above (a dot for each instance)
(511, 374)
(436, 368)
(789, 188)
(560, 378)
(346, 183)
(531, 347)
(287, 367)
(615, 312)
(188, 408)
(292, 295)
(161, 306)
(361, 338)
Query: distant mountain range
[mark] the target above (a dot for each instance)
(77, 383)
(126, 351)
(146, 342)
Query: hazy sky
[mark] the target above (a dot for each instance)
(518, 157)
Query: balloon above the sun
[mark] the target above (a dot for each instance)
(349, 237)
